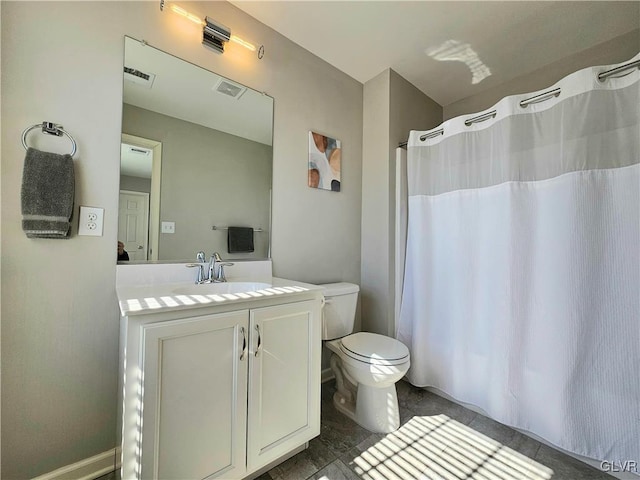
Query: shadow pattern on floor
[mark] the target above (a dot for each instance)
(438, 440)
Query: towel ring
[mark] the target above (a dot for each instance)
(51, 129)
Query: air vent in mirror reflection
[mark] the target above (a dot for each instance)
(231, 89)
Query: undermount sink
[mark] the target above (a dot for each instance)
(220, 288)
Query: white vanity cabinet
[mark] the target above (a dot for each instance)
(284, 381)
(194, 394)
(220, 392)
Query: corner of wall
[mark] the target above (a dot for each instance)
(392, 107)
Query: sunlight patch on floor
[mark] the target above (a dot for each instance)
(439, 448)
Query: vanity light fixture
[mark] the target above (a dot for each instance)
(214, 34)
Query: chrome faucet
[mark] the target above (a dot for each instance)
(217, 274)
(215, 258)
(220, 275)
(200, 263)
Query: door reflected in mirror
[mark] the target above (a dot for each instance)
(196, 154)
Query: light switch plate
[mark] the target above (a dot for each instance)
(168, 227)
(91, 221)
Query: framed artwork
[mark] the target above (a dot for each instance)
(324, 162)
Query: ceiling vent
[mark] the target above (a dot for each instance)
(139, 150)
(229, 88)
(138, 77)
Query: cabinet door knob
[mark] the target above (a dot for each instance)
(244, 344)
(259, 340)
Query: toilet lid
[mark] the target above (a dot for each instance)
(373, 348)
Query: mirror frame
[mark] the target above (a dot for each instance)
(153, 241)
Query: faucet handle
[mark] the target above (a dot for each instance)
(200, 257)
(216, 256)
(220, 276)
(200, 273)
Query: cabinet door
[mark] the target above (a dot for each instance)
(194, 397)
(284, 380)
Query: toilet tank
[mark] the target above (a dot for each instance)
(339, 312)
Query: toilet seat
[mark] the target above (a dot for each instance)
(374, 349)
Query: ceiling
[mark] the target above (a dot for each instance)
(186, 91)
(449, 50)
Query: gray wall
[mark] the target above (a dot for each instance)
(135, 184)
(392, 108)
(375, 204)
(208, 178)
(410, 110)
(62, 62)
(618, 50)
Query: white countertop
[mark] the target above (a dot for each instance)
(145, 299)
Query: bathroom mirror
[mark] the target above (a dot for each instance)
(196, 158)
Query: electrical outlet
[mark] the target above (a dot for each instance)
(90, 222)
(168, 227)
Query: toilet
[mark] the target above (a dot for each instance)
(366, 365)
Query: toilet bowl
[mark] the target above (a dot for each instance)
(366, 365)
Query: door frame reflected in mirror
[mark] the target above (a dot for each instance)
(154, 195)
(133, 226)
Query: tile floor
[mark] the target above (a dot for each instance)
(438, 440)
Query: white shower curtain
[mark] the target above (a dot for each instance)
(522, 277)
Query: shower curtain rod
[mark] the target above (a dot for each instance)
(621, 68)
(543, 96)
(435, 133)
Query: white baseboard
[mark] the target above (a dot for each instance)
(87, 469)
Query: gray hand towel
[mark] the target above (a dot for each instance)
(240, 239)
(47, 194)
